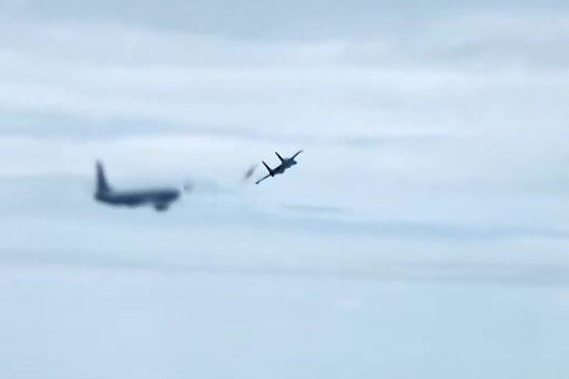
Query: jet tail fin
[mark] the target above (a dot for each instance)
(278, 155)
(297, 154)
(102, 184)
(268, 168)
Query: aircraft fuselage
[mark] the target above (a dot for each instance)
(280, 169)
(159, 198)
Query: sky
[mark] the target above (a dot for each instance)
(422, 234)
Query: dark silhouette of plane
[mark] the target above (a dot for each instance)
(160, 199)
(286, 163)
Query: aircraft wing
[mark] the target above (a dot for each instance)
(263, 178)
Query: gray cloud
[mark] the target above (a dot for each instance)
(257, 19)
(446, 128)
(536, 275)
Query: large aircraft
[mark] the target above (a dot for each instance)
(160, 199)
(286, 163)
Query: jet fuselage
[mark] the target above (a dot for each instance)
(285, 165)
(160, 199)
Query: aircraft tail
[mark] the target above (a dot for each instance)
(268, 168)
(278, 155)
(102, 184)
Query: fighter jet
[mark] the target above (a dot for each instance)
(286, 163)
(160, 199)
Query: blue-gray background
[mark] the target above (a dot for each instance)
(425, 233)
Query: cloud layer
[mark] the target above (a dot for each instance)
(457, 119)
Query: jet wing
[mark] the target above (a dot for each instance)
(263, 178)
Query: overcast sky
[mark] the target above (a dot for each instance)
(435, 154)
